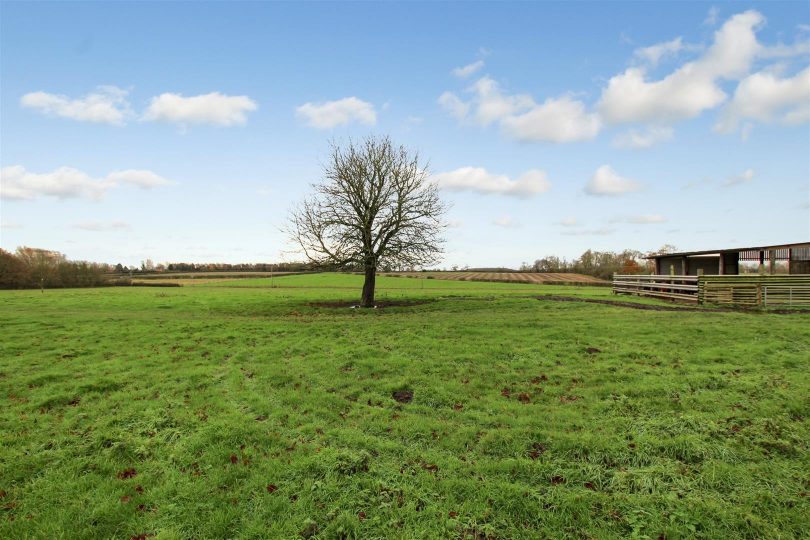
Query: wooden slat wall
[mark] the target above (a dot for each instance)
(682, 288)
(755, 290)
(746, 290)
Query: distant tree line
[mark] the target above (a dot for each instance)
(601, 264)
(33, 268)
(226, 267)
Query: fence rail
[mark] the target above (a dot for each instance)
(755, 290)
(739, 290)
(683, 288)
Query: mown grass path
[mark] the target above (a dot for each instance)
(244, 411)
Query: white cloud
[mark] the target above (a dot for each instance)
(214, 108)
(453, 105)
(66, 183)
(606, 181)
(569, 222)
(506, 222)
(712, 16)
(781, 50)
(561, 119)
(744, 178)
(645, 138)
(63, 183)
(469, 69)
(654, 53)
(455, 223)
(556, 120)
(99, 226)
(645, 219)
(140, 178)
(330, 114)
(107, 105)
(492, 105)
(479, 180)
(765, 97)
(692, 88)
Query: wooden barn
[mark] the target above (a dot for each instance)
(718, 262)
(757, 276)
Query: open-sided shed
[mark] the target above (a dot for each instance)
(727, 261)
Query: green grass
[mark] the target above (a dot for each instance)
(132, 411)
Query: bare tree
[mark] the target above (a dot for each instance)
(42, 264)
(374, 206)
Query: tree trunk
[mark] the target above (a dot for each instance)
(367, 300)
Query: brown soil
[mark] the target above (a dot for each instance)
(379, 305)
(403, 396)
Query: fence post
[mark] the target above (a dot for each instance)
(759, 294)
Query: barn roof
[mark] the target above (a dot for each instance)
(805, 245)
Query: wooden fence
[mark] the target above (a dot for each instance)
(755, 290)
(739, 290)
(682, 288)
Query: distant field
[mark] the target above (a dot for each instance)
(193, 278)
(510, 277)
(506, 277)
(259, 408)
(208, 275)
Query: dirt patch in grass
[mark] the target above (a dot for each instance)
(651, 307)
(403, 396)
(380, 305)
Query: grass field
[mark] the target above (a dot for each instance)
(237, 410)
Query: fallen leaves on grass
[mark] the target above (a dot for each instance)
(430, 467)
(403, 396)
(458, 407)
(536, 450)
(557, 480)
(542, 378)
(592, 350)
(126, 473)
(568, 399)
(125, 499)
(506, 392)
(271, 488)
(524, 398)
(361, 516)
(234, 459)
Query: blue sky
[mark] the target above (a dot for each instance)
(185, 131)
